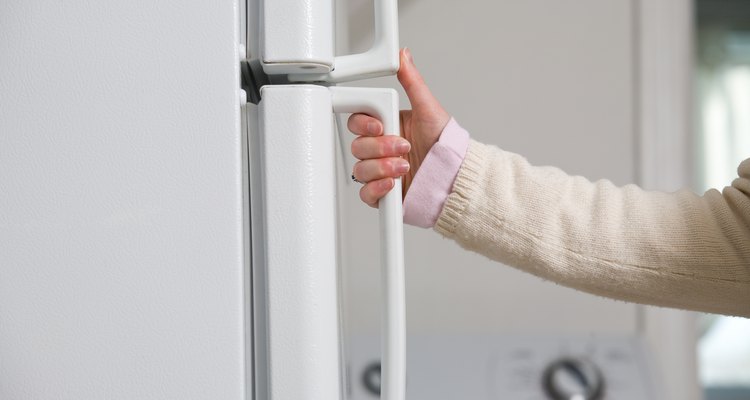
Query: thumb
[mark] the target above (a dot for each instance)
(411, 80)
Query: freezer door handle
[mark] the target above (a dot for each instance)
(383, 104)
(380, 60)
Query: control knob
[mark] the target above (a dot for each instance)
(573, 378)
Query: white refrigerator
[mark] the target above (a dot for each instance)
(160, 236)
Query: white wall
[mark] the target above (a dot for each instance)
(551, 80)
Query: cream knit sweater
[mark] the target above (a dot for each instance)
(668, 249)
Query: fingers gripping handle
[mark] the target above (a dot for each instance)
(380, 60)
(383, 104)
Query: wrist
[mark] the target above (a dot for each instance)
(432, 184)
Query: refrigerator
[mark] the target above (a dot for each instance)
(167, 226)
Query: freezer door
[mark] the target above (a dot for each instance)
(123, 252)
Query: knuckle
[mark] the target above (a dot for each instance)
(385, 147)
(385, 168)
(393, 166)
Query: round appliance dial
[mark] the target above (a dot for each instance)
(371, 378)
(573, 378)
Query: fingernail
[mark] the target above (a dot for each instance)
(372, 128)
(402, 166)
(402, 147)
(408, 55)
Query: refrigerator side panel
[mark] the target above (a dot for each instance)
(122, 241)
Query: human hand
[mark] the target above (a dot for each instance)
(384, 158)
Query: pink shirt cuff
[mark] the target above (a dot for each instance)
(434, 180)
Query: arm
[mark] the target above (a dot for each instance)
(668, 249)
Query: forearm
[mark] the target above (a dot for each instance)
(676, 250)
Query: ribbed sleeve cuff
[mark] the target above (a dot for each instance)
(463, 189)
(434, 179)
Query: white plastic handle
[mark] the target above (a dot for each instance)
(383, 104)
(380, 60)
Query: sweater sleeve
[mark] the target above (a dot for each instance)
(668, 249)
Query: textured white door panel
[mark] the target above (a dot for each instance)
(298, 198)
(296, 36)
(121, 219)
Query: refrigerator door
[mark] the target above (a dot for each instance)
(123, 247)
(294, 245)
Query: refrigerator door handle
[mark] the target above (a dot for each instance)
(380, 60)
(383, 104)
